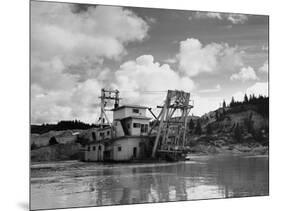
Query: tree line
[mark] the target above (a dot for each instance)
(251, 100)
(61, 125)
(260, 102)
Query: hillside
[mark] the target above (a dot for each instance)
(238, 127)
(249, 117)
(65, 148)
(69, 151)
(62, 137)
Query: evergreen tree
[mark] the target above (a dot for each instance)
(33, 146)
(232, 103)
(223, 104)
(53, 141)
(223, 112)
(263, 107)
(198, 129)
(217, 115)
(249, 123)
(191, 125)
(246, 100)
(209, 129)
(251, 98)
(238, 133)
(258, 135)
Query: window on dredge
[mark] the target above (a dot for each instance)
(119, 149)
(144, 128)
(136, 111)
(94, 148)
(136, 125)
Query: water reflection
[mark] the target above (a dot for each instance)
(92, 184)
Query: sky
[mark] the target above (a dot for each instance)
(78, 49)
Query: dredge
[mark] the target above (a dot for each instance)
(134, 136)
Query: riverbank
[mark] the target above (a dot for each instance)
(254, 149)
(61, 152)
(58, 152)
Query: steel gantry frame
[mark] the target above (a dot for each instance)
(106, 96)
(171, 126)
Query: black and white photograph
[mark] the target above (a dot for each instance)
(135, 105)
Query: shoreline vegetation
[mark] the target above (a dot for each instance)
(237, 128)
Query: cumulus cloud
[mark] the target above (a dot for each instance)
(90, 35)
(79, 102)
(68, 48)
(231, 17)
(264, 67)
(206, 15)
(170, 60)
(259, 88)
(49, 74)
(145, 81)
(245, 74)
(194, 58)
(237, 18)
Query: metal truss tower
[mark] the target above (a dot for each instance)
(172, 131)
(106, 96)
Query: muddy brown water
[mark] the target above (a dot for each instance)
(76, 184)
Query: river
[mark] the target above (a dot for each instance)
(75, 184)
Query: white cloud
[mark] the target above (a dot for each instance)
(259, 88)
(80, 102)
(245, 74)
(144, 81)
(217, 88)
(67, 52)
(49, 75)
(264, 67)
(231, 17)
(205, 15)
(237, 18)
(97, 32)
(170, 60)
(150, 20)
(194, 58)
(83, 38)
